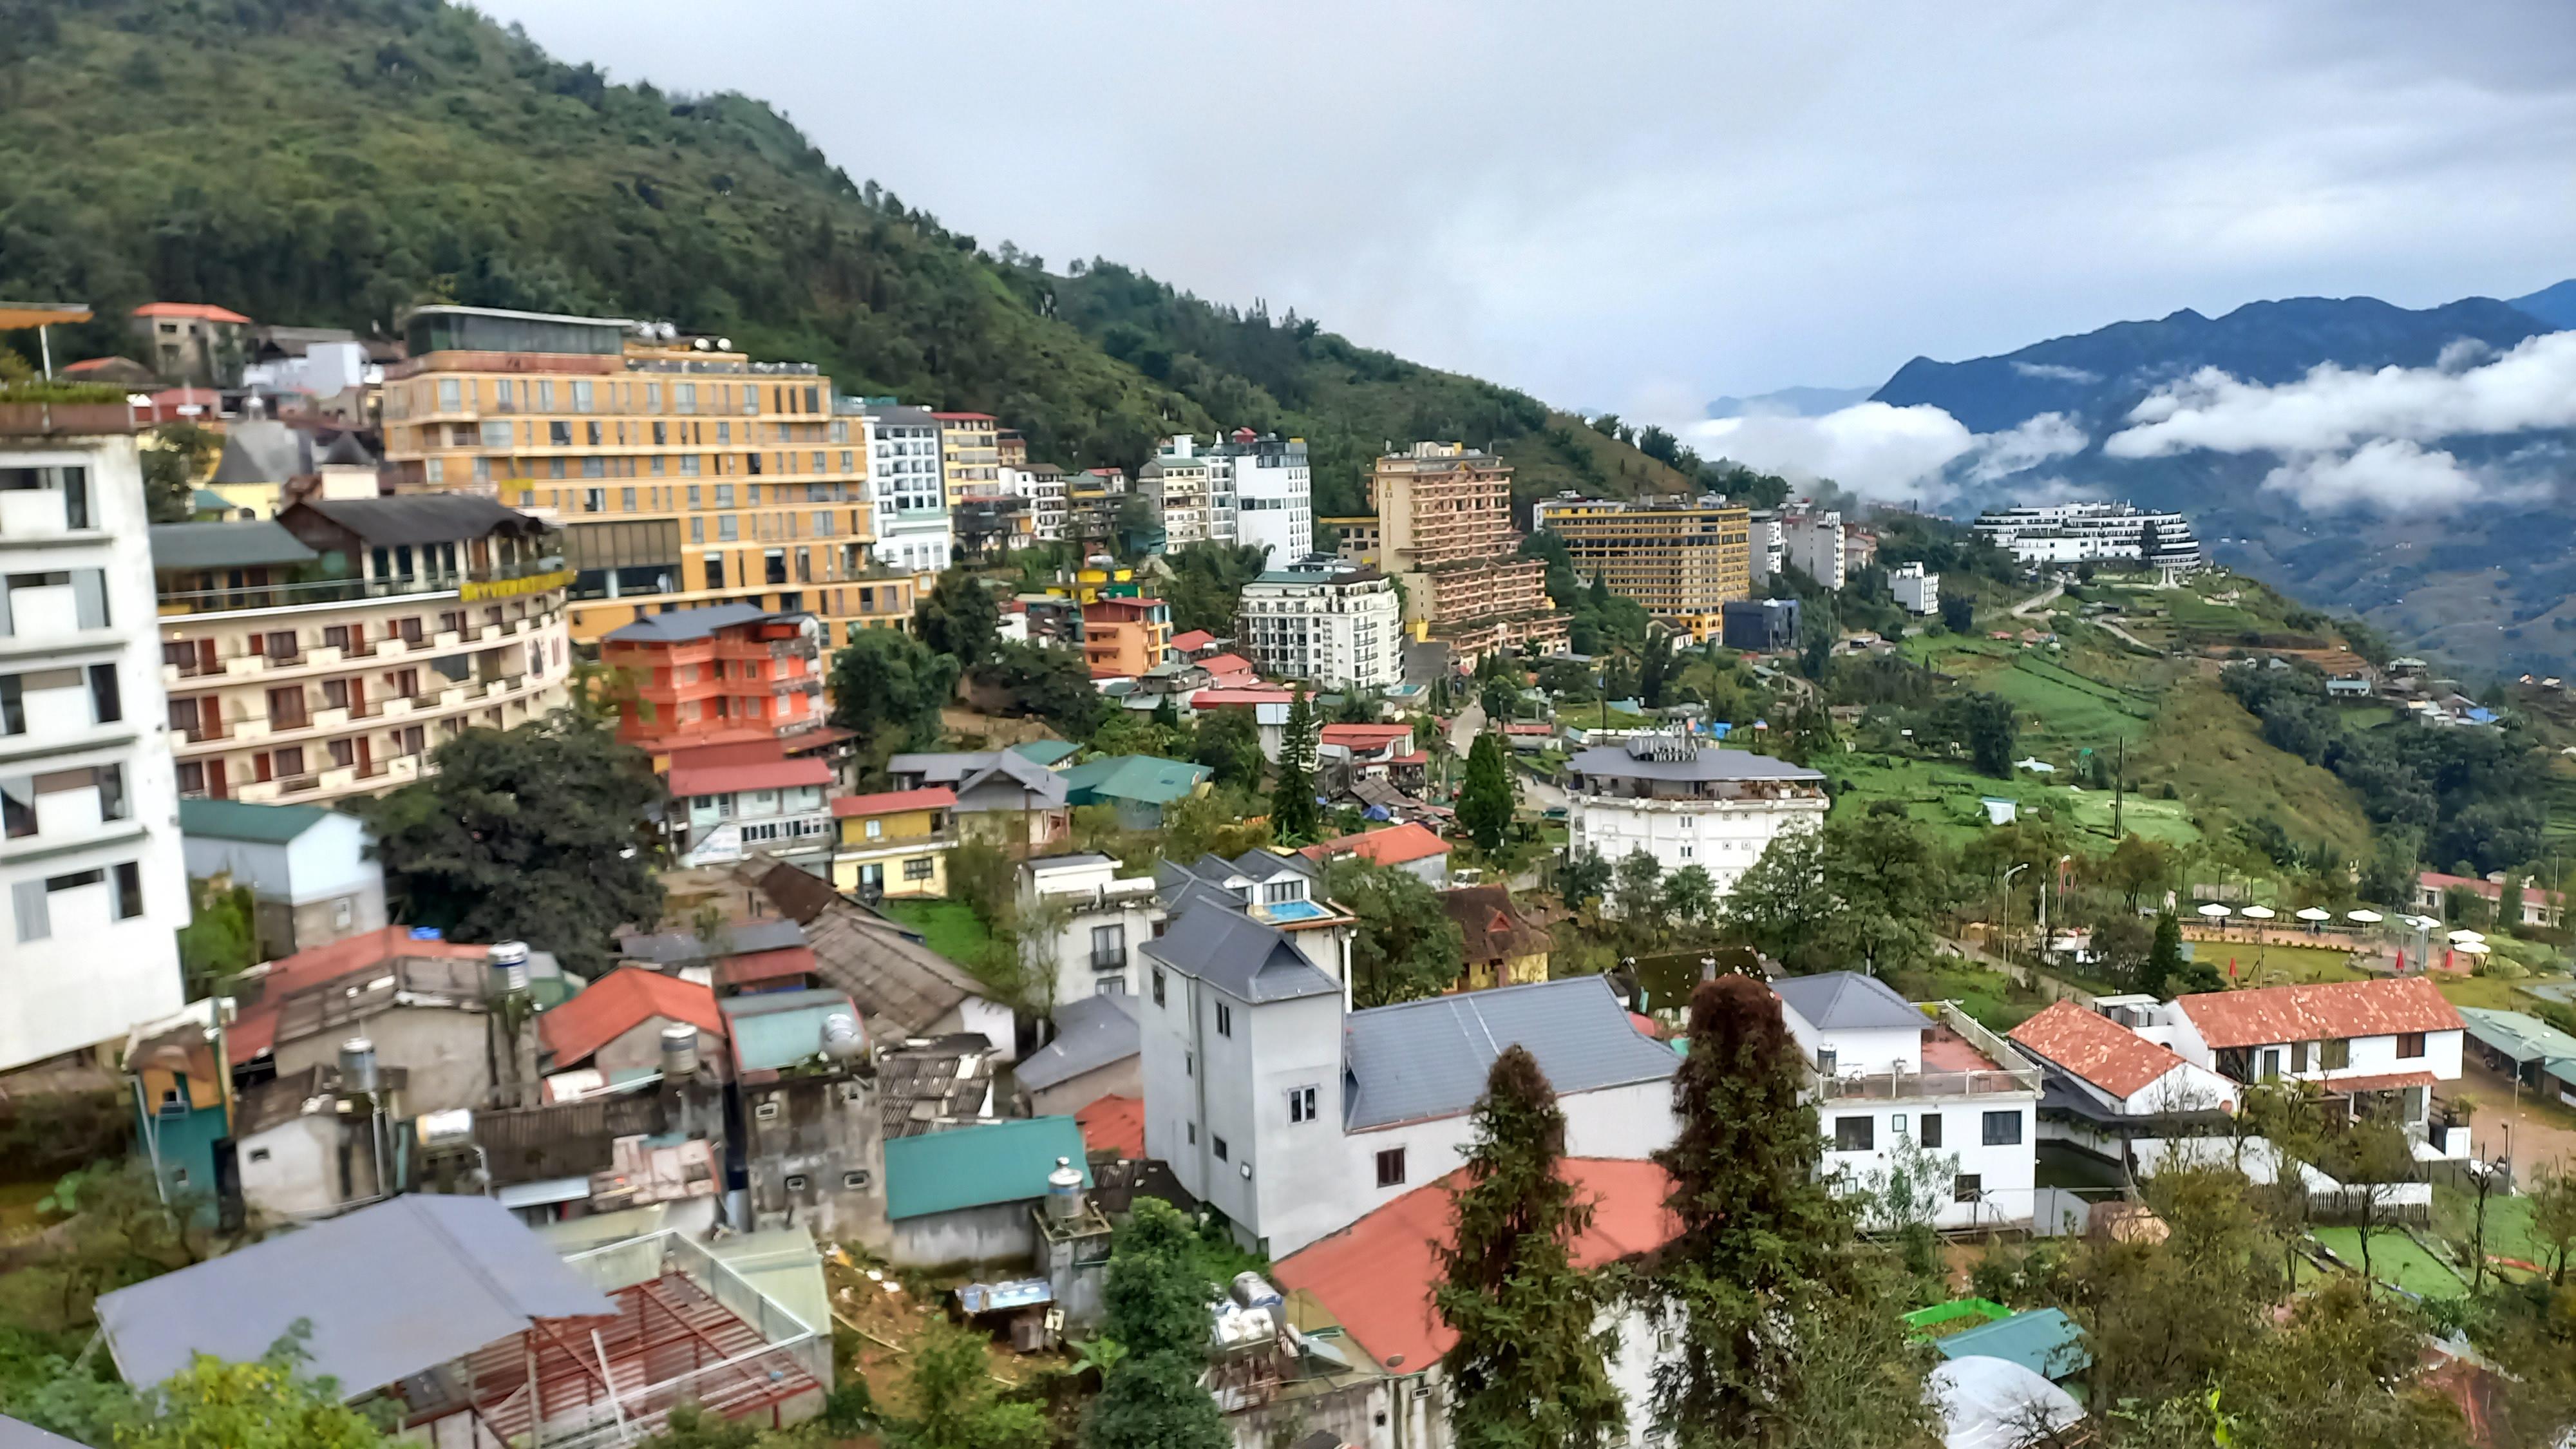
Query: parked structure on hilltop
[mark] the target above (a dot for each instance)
(1675, 556)
(2042, 535)
(1686, 804)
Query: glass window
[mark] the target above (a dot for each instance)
(1390, 1167)
(2003, 1129)
(917, 868)
(1968, 1187)
(1301, 1104)
(13, 705)
(581, 399)
(2410, 1045)
(728, 527)
(559, 434)
(1928, 1128)
(1224, 1019)
(1220, 1148)
(1158, 986)
(129, 891)
(1857, 1133)
(496, 432)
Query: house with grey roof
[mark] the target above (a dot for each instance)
(1278, 888)
(1003, 796)
(311, 872)
(1095, 1054)
(1295, 1116)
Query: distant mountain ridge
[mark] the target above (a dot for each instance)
(2555, 305)
(1789, 402)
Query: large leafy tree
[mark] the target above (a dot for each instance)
(539, 834)
(1487, 799)
(959, 618)
(1982, 724)
(950, 1403)
(1051, 684)
(1861, 891)
(1157, 1297)
(1406, 946)
(1293, 816)
(1527, 1370)
(889, 688)
(1229, 742)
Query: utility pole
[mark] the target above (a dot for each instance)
(2119, 786)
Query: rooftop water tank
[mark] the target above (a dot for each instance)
(509, 967)
(1064, 1191)
(357, 1065)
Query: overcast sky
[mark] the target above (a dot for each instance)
(1641, 206)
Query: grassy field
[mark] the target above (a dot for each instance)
(2398, 1259)
(2509, 1231)
(2210, 752)
(951, 927)
(2263, 964)
(1943, 796)
(1988, 996)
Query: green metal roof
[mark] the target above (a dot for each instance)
(2523, 1037)
(2045, 1341)
(1132, 777)
(253, 824)
(979, 1166)
(221, 545)
(1046, 752)
(773, 1030)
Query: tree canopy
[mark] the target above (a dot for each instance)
(1406, 946)
(889, 687)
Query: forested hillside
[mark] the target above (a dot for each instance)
(331, 162)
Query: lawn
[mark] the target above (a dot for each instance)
(951, 927)
(1990, 997)
(2493, 993)
(2398, 1259)
(2264, 964)
(2509, 1232)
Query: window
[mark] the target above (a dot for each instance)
(2410, 1045)
(1968, 1187)
(559, 434)
(1108, 948)
(1826, 1059)
(2298, 1056)
(1855, 1133)
(2003, 1129)
(259, 1154)
(1158, 986)
(1224, 1019)
(918, 868)
(1194, 1134)
(496, 432)
(1301, 1104)
(796, 1182)
(2335, 1055)
(13, 703)
(581, 396)
(1390, 1167)
(1927, 1129)
(129, 890)
(854, 1180)
(1219, 1144)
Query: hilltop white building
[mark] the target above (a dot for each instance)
(1686, 804)
(2070, 533)
(1320, 619)
(1813, 542)
(907, 486)
(1261, 494)
(1917, 590)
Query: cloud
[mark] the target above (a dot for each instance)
(2056, 373)
(2393, 475)
(1884, 452)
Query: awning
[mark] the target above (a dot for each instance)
(2387, 1082)
(543, 1192)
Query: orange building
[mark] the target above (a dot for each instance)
(1125, 637)
(1444, 517)
(724, 672)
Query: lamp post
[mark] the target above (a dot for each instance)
(2008, 879)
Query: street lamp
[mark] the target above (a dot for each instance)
(2008, 877)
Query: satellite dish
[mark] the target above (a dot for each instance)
(724, 344)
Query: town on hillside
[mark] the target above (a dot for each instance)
(625, 888)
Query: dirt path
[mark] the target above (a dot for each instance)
(2541, 1132)
(2023, 609)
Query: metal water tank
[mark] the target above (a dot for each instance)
(357, 1065)
(509, 967)
(679, 1054)
(1064, 1191)
(841, 1039)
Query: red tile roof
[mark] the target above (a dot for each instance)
(884, 802)
(619, 1002)
(1196, 639)
(1395, 845)
(2321, 1012)
(752, 968)
(1377, 1275)
(1363, 736)
(730, 779)
(2096, 1048)
(2434, 880)
(198, 310)
(1218, 698)
(1222, 663)
(1114, 1124)
(254, 1030)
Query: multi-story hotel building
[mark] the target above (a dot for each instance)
(2065, 533)
(1814, 543)
(1263, 494)
(1325, 621)
(905, 485)
(1675, 556)
(1124, 637)
(713, 675)
(91, 872)
(325, 653)
(1444, 515)
(1176, 478)
(682, 472)
(1042, 484)
(970, 454)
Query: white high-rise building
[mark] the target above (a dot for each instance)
(2066, 533)
(1042, 484)
(907, 486)
(91, 871)
(1323, 620)
(1812, 543)
(1268, 492)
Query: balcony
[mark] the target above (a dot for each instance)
(1965, 1060)
(178, 603)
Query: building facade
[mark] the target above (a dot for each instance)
(1176, 479)
(718, 673)
(894, 843)
(1093, 919)
(1917, 590)
(1812, 542)
(907, 487)
(1125, 637)
(970, 455)
(2070, 533)
(1319, 620)
(1445, 527)
(1673, 556)
(731, 802)
(90, 857)
(1269, 493)
(1686, 804)
(326, 653)
(682, 472)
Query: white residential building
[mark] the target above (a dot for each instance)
(1917, 592)
(2120, 1083)
(1686, 804)
(906, 485)
(1268, 492)
(1295, 1117)
(1176, 478)
(90, 860)
(1767, 548)
(1320, 619)
(1893, 1079)
(1098, 919)
(2071, 533)
(1812, 542)
(1042, 484)
(2378, 1044)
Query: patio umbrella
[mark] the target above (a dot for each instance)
(2472, 948)
(2312, 913)
(2256, 913)
(2215, 911)
(2465, 937)
(2365, 917)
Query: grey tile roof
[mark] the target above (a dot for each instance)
(1238, 955)
(1712, 764)
(1092, 1032)
(740, 938)
(968, 770)
(419, 517)
(263, 450)
(695, 623)
(1418, 1060)
(1847, 1001)
(231, 544)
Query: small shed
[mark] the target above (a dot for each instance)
(966, 1196)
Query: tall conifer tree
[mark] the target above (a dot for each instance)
(1293, 817)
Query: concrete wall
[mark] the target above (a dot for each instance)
(825, 1132)
(1122, 1078)
(446, 1051)
(994, 1233)
(2007, 1172)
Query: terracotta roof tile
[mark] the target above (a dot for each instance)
(1396, 845)
(2320, 1012)
(619, 1002)
(928, 797)
(1114, 1124)
(2096, 1048)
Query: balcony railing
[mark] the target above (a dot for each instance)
(1999, 1080)
(344, 591)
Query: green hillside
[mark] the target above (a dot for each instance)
(330, 162)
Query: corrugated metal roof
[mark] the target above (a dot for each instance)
(222, 545)
(2044, 1341)
(1091, 1032)
(773, 1030)
(419, 517)
(680, 625)
(1847, 1001)
(1133, 777)
(979, 1166)
(390, 1290)
(2523, 1037)
(251, 824)
(1423, 1059)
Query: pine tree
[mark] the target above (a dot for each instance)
(1157, 1297)
(1656, 670)
(1527, 1371)
(1487, 798)
(1758, 1230)
(2164, 958)
(1293, 817)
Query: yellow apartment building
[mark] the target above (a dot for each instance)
(895, 843)
(1676, 557)
(681, 473)
(970, 455)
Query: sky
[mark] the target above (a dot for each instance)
(1643, 206)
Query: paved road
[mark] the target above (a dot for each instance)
(2023, 609)
(2141, 645)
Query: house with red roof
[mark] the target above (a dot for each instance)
(2380, 1045)
(1230, 671)
(749, 798)
(1194, 643)
(615, 1025)
(422, 1002)
(1376, 1277)
(2540, 906)
(192, 342)
(2118, 1070)
(1411, 847)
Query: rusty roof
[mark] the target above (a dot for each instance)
(2323, 1011)
(2096, 1048)
(1492, 924)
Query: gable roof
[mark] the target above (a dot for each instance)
(251, 824)
(1418, 1060)
(999, 1162)
(1193, 639)
(775, 1030)
(1142, 778)
(1847, 1001)
(783, 774)
(1091, 1033)
(681, 625)
(2096, 1048)
(203, 312)
(263, 450)
(1395, 845)
(233, 543)
(1115, 1125)
(740, 938)
(264, 997)
(1238, 955)
(1049, 753)
(967, 771)
(1376, 1277)
(898, 982)
(417, 517)
(619, 1002)
(1362, 736)
(2523, 1037)
(886, 802)
(2321, 1011)
(1493, 927)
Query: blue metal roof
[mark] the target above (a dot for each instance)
(2044, 1341)
(773, 1030)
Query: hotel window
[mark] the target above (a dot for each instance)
(594, 467)
(496, 433)
(724, 495)
(697, 528)
(581, 397)
(684, 397)
(503, 399)
(626, 500)
(594, 500)
(728, 528)
(724, 433)
(653, 403)
(545, 395)
(450, 398)
(715, 570)
(689, 469)
(559, 434)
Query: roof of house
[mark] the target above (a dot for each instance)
(2435, 880)
(254, 1028)
(1376, 1277)
(2044, 1341)
(1049, 753)
(2096, 1048)
(739, 938)
(419, 517)
(1395, 845)
(251, 824)
(1091, 1033)
(998, 1162)
(1225, 664)
(1193, 639)
(203, 312)
(391, 1289)
(2320, 1011)
(1219, 698)
(682, 625)
(1711, 764)
(1491, 925)
(935, 1085)
(263, 450)
(1847, 1001)
(1363, 736)
(226, 543)
(1238, 955)
(619, 1002)
(687, 780)
(1417, 1060)
(2523, 1037)
(886, 802)
(1133, 777)
(970, 770)
(1114, 1124)
(897, 981)
(774, 1030)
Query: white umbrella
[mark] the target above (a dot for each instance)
(2466, 937)
(2365, 917)
(2214, 911)
(2256, 913)
(2312, 913)
(2472, 948)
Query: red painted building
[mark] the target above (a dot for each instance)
(721, 673)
